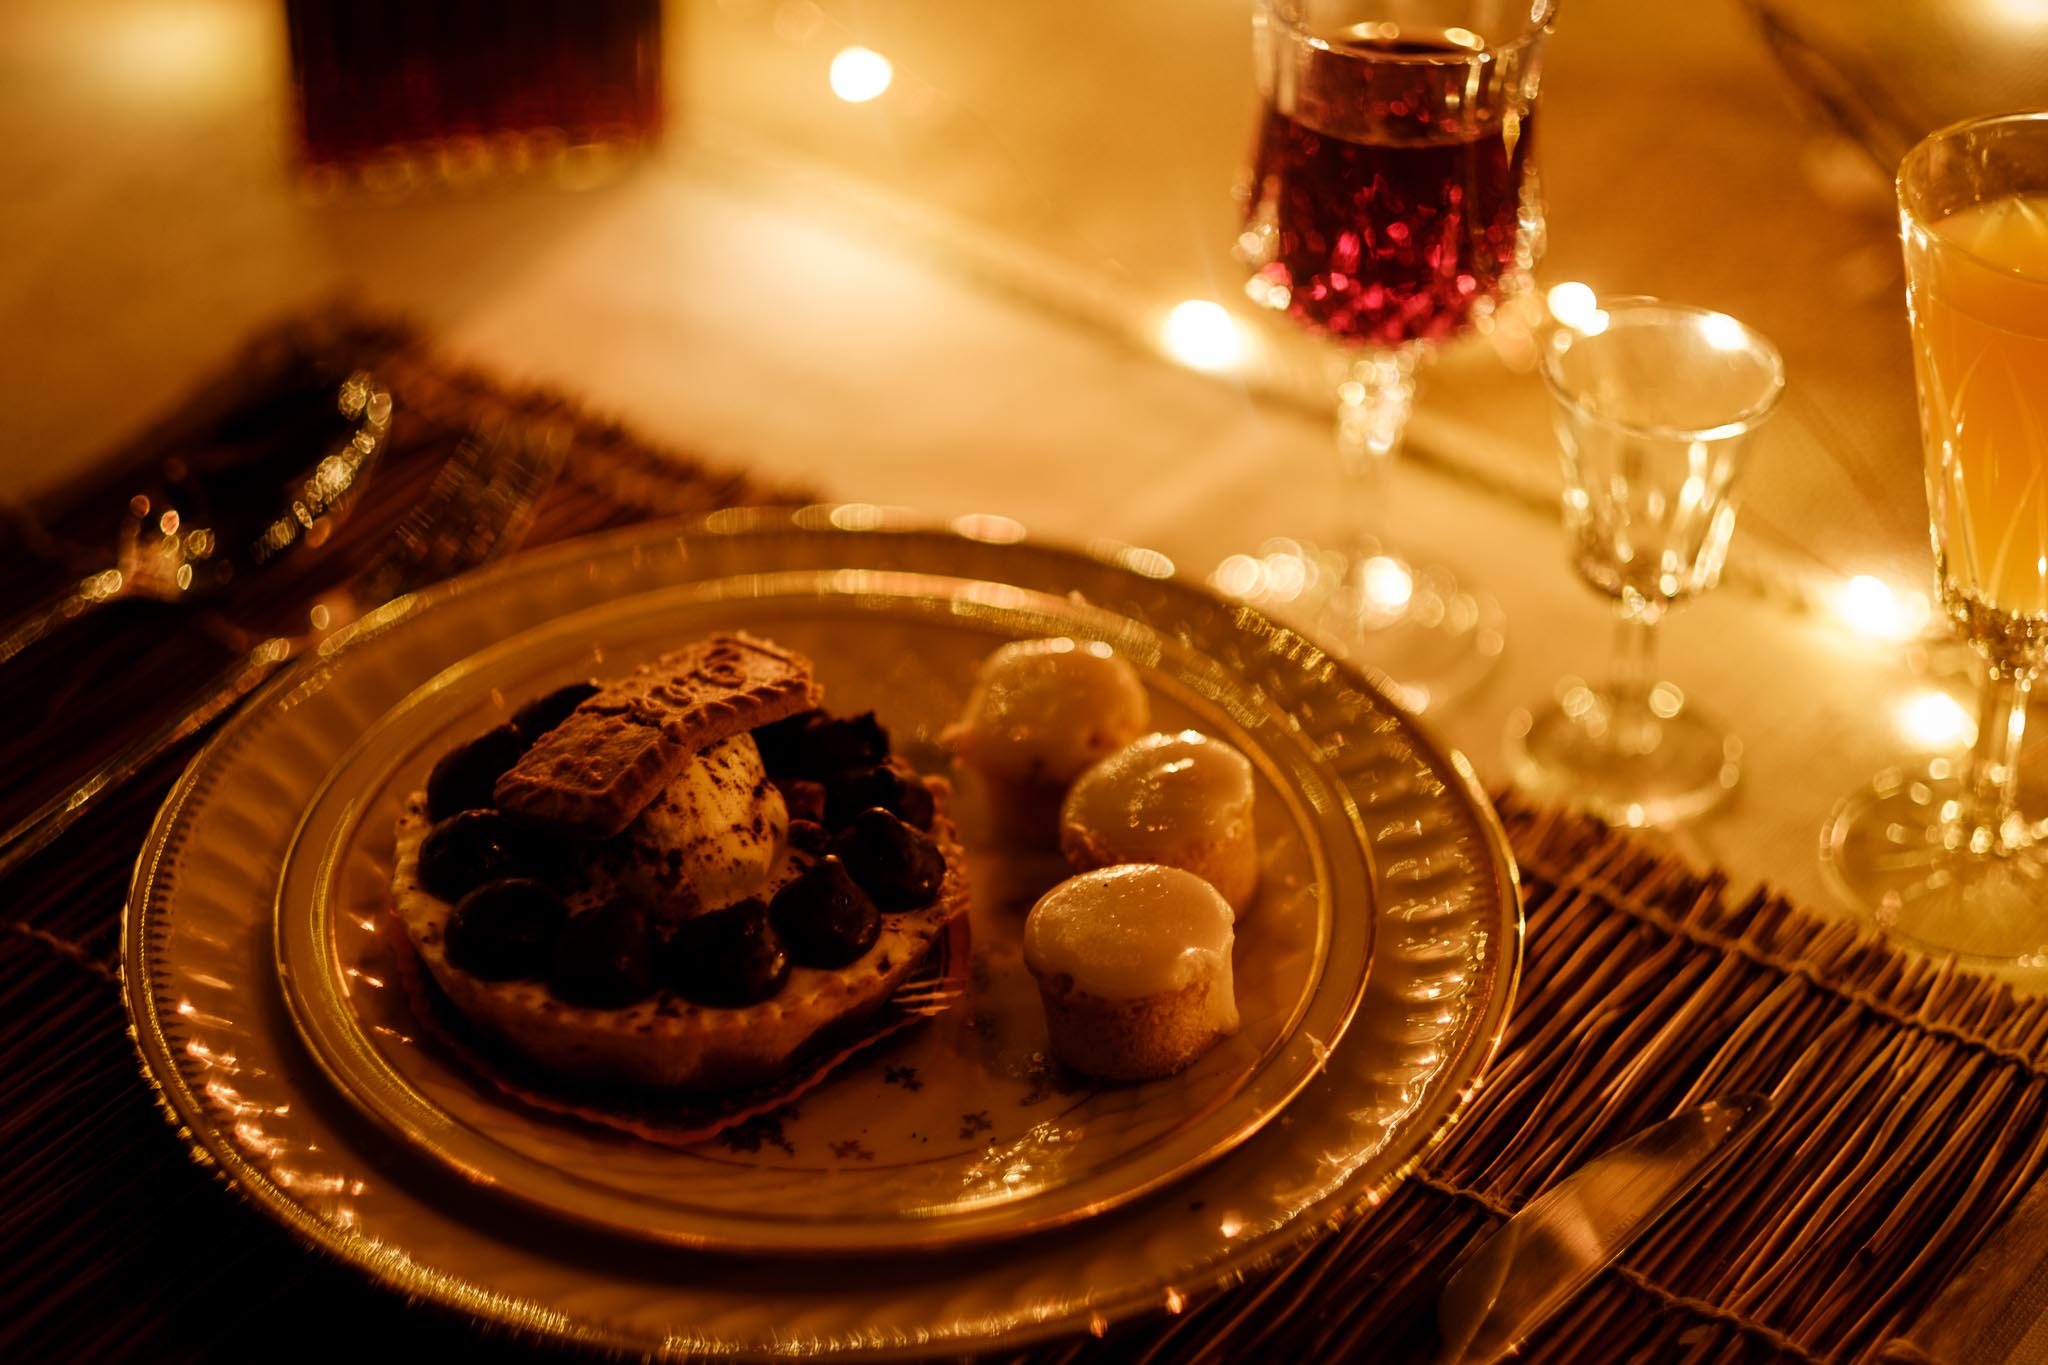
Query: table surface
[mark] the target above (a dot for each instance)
(948, 299)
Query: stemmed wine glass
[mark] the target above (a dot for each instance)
(1392, 204)
(1945, 857)
(1657, 406)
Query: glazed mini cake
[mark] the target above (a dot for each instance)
(1183, 800)
(1041, 712)
(1133, 966)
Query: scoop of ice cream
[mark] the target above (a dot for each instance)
(1043, 710)
(709, 838)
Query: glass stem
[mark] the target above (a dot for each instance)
(1990, 814)
(1373, 404)
(1633, 727)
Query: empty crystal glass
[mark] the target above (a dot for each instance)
(1656, 405)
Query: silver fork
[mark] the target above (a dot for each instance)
(480, 505)
(170, 548)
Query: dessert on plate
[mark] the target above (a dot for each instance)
(689, 878)
(1183, 800)
(1133, 967)
(1040, 713)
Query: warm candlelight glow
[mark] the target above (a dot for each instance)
(989, 527)
(860, 74)
(1574, 305)
(1723, 333)
(1935, 720)
(2032, 13)
(1388, 584)
(1874, 609)
(1202, 336)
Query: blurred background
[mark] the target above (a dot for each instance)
(715, 217)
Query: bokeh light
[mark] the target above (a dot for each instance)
(1203, 336)
(1873, 609)
(1575, 305)
(860, 74)
(1935, 720)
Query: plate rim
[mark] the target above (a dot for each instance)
(980, 1227)
(392, 1270)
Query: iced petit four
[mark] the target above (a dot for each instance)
(1040, 713)
(1184, 800)
(1133, 966)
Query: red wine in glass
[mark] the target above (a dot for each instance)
(1384, 209)
(1392, 204)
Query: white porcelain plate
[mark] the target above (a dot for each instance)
(405, 1166)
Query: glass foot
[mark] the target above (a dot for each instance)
(1895, 852)
(1675, 765)
(1430, 637)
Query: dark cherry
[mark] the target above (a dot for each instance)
(728, 958)
(814, 745)
(463, 779)
(468, 849)
(472, 847)
(850, 793)
(506, 929)
(605, 957)
(900, 867)
(780, 740)
(808, 836)
(823, 916)
(837, 744)
(804, 798)
(544, 713)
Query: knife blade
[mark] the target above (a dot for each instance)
(1511, 1282)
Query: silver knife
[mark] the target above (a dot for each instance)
(1511, 1282)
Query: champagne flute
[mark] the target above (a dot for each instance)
(1946, 858)
(1658, 405)
(1392, 205)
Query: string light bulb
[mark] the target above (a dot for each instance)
(1203, 336)
(860, 74)
(1873, 609)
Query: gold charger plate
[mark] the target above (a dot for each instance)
(963, 1129)
(216, 1037)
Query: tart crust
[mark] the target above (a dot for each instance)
(665, 1041)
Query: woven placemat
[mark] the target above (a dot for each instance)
(1911, 1114)
(1910, 1095)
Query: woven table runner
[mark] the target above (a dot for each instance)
(1911, 1110)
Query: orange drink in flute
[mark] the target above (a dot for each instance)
(1977, 288)
(1945, 856)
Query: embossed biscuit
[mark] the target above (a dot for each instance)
(590, 775)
